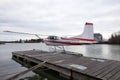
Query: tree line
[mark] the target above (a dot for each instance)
(115, 38)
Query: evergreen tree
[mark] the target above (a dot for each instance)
(115, 38)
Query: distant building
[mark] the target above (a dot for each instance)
(98, 37)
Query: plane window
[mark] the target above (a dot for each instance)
(53, 37)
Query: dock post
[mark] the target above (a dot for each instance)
(71, 77)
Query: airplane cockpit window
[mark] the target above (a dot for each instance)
(53, 37)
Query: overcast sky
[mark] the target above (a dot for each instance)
(58, 17)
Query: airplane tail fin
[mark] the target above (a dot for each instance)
(88, 32)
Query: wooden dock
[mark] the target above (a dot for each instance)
(73, 66)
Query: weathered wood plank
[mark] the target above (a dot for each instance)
(116, 76)
(100, 68)
(112, 73)
(97, 67)
(108, 70)
(94, 68)
(104, 68)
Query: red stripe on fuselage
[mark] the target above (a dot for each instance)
(83, 39)
(59, 42)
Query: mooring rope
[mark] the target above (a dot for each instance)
(26, 71)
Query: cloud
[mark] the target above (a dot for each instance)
(59, 16)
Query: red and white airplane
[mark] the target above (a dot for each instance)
(87, 37)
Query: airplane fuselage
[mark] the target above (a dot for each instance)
(68, 41)
(86, 37)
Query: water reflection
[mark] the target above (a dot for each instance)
(94, 50)
(9, 67)
(114, 52)
(98, 50)
(78, 49)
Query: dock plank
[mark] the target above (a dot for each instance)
(108, 69)
(112, 73)
(116, 76)
(87, 67)
(97, 67)
(102, 69)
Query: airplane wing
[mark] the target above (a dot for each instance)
(37, 35)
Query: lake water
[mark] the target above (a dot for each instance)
(9, 67)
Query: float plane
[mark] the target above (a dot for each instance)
(87, 37)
